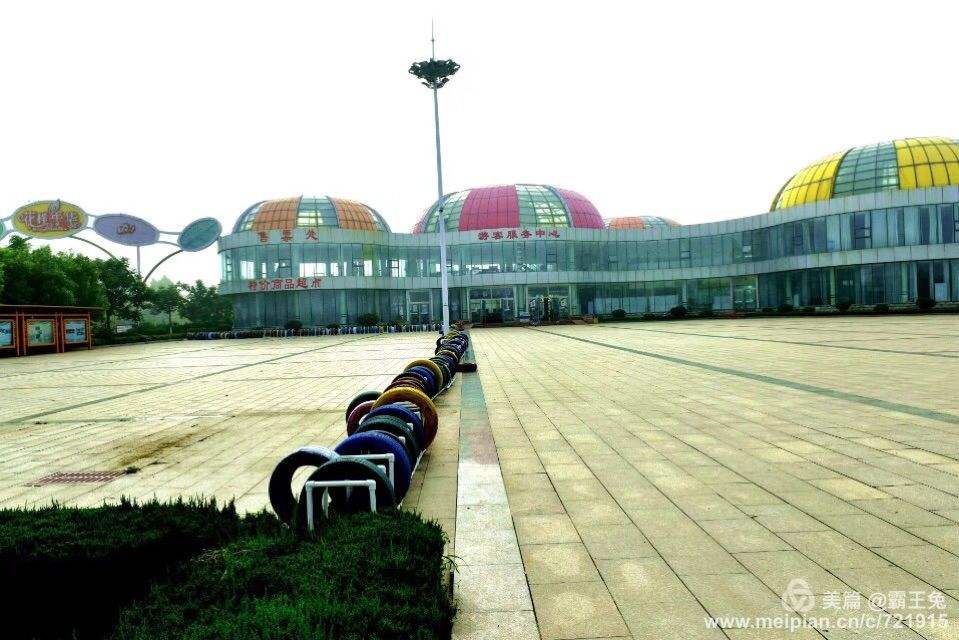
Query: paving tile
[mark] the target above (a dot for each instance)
(541, 529)
(576, 610)
(870, 531)
(556, 563)
(777, 568)
(939, 568)
(743, 535)
(499, 587)
(495, 625)
(615, 541)
(832, 549)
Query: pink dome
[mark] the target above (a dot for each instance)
(511, 207)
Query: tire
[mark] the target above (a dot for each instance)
(447, 373)
(356, 416)
(437, 381)
(423, 374)
(398, 429)
(406, 415)
(280, 491)
(346, 500)
(413, 382)
(362, 396)
(432, 366)
(426, 408)
(373, 442)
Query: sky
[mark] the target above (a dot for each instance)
(697, 111)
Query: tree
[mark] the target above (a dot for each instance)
(206, 308)
(125, 293)
(165, 299)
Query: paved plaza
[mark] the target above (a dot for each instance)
(625, 480)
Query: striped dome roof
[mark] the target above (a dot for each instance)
(640, 222)
(511, 207)
(909, 163)
(324, 211)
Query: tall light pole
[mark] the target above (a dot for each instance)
(435, 74)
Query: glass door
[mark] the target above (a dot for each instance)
(551, 301)
(420, 307)
(492, 305)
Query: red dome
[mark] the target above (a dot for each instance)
(511, 207)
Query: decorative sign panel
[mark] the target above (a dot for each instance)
(6, 333)
(49, 219)
(75, 331)
(40, 333)
(199, 234)
(127, 230)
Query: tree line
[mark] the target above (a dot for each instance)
(38, 276)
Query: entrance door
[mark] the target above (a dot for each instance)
(558, 306)
(492, 305)
(419, 306)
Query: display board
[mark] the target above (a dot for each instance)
(6, 334)
(75, 331)
(40, 333)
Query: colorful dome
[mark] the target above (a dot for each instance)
(289, 213)
(511, 207)
(640, 222)
(910, 163)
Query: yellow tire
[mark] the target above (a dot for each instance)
(432, 366)
(422, 402)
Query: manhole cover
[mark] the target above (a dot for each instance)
(78, 477)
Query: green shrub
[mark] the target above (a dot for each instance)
(707, 312)
(809, 309)
(650, 316)
(677, 312)
(881, 308)
(925, 303)
(67, 572)
(366, 576)
(618, 314)
(767, 309)
(367, 319)
(843, 306)
(785, 308)
(295, 325)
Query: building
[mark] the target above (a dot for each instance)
(874, 224)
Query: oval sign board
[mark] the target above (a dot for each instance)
(199, 234)
(49, 219)
(124, 229)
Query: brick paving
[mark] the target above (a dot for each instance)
(605, 481)
(659, 473)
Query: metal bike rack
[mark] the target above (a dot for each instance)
(370, 485)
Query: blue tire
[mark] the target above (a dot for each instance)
(377, 442)
(399, 411)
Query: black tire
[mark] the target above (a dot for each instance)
(344, 500)
(403, 412)
(280, 491)
(362, 396)
(397, 428)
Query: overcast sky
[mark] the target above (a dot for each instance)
(694, 110)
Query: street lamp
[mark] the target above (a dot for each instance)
(435, 74)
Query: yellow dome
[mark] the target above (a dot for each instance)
(910, 163)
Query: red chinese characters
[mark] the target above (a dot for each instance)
(483, 235)
(264, 236)
(311, 234)
(287, 235)
(284, 284)
(513, 234)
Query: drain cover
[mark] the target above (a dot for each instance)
(78, 477)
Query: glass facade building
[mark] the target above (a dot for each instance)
(872, 225)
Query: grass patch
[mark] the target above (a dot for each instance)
(365, 576)
(66, 572)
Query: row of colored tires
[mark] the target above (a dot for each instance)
(307, 331)
(400, 421)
